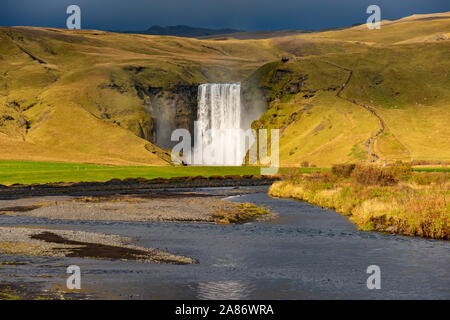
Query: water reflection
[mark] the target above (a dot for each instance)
(224, 290)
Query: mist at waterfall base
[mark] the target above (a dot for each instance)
(222, 131)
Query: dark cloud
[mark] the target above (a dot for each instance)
(242, 14)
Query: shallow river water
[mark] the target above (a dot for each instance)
(305, 253)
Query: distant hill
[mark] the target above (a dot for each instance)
(183, 31)
(255, 35)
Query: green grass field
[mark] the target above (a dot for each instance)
(432, 169)
(28, 172)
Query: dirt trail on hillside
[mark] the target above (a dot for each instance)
(371, 140)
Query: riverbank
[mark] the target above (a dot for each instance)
(132, 185)
(393, 200)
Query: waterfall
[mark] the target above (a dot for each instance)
(219, 124)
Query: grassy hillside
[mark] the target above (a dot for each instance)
(344, 95)
(392, 91)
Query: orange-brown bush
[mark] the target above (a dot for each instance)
(371, 175)
(400, 170)
(343, 170)
(328, 176)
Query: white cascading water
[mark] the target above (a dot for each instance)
(219, 113)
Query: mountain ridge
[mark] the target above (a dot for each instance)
(182, 31)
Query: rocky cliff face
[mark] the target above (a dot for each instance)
(170, 109)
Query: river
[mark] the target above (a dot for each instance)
(305, 253)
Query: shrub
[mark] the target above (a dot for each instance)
(401, 170)
(371, 175)
(327, 176)
(305, 164)
(343, 170)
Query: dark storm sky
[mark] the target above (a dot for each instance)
(239, 14)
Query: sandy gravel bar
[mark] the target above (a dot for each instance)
(66, 243)
(150, 207)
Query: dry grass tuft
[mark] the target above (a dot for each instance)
(239, 213)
